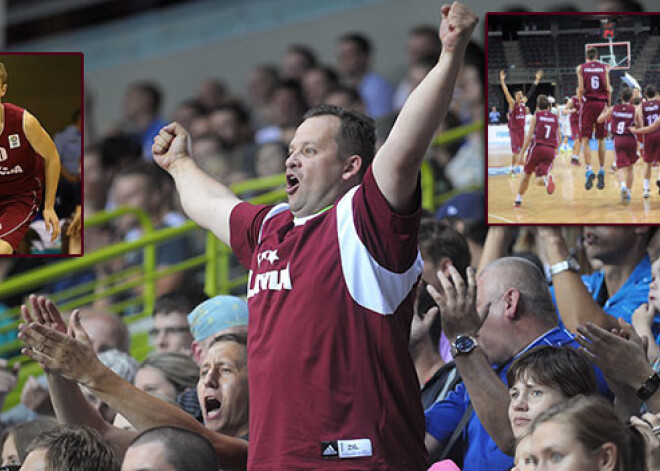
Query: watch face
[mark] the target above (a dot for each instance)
(464, 344)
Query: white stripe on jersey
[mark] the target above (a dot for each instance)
(274, 211)
(370, 285)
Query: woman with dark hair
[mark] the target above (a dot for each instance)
(15, 440)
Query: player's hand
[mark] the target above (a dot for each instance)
(502, 75)
(52, 223)
(456, 26)
(74, 227)
(634, 130)
(539, 74)
(171, 143)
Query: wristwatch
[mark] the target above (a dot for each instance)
(463, 345)
(649, 387)
(570, 263)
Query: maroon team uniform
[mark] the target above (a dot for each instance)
(21, 177)
(541, 154)
(594, 98)
(651, 112)
(516, 125)
(332, 384)
(575, 119)
(625, 144)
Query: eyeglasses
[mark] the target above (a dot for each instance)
(153, 333)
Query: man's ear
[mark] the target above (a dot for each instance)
(352, 167)
(511, 299)
(607, 456)
(196, 350)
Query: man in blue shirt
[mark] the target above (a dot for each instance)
(511, 312)
(494, 116)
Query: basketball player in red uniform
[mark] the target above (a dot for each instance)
(516, 117)
(573, 110)
(594, 94)
(647, 113)
(544, 138)
(625, 144)
(25, 150)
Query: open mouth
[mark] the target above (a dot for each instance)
(292, 184)
(213, 407)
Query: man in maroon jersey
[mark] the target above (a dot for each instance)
(625, 144)
(647, 113)
(332, 281)
(544, 139)
(573, 110)
(25, 148)
(594, 94)
(516, 117)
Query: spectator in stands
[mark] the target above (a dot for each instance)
(287, 107)
(270, 159)
(585, 433)
(614, 291)
(171, 331)
(15, 440)
(422, 45)
(261, 83)
(68, 144)
(354, 56)
(643, 318)
(106, 331)
(200, 126)
(167, 374)
(140, 111)
(70, 448)
(186, 112)
(297, 61)
(207, 151)
(95, 184)
(494, 116)
(347, 98)
(8, 378)
(231, 124)
(618, 5)
(506, 311)
(171, 449)
(318, 83)
(212, 93)
(465, 212)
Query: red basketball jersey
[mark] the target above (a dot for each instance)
(594, 79)
(651, 112)
(21, 168)
(517, 116)
(623, 116)
(545, 131)
(575, 117)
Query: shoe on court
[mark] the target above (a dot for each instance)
(551, 185)
(516, 204)
(575, 161)
(625, 198)
(657, 182)
(590, 180)
(601, 180)
(647, 194)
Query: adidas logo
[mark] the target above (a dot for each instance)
(330, 451)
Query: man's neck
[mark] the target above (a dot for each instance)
(427, 360)
(616, 275)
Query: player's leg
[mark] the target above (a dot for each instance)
(586, 155)
(15, 221)
(524, 184)
(5, 248)
(647, 178)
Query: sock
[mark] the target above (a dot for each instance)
(588, 168)
(601, 170)
(646, 185)
(519, 198)
(623, 186)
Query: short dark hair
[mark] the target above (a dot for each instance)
(650, 91)
(592, 53)
(304, 51)
(356, 135)
(179, 301)
(235, 337)
(542, 102)
(626, 94)
(153, 175)
(438, 240)
(241, 114)
(75, 448)
(360, 40)
(155, 95)
(25, 432)
(562, 367)
(184, 449)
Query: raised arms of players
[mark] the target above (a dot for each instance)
(44, 146)
(532, 89)
(528, 137)
(396, 165)
(208, 202)
(505, 89)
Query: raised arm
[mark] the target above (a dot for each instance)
(397, 164)
(537, 79)
(74, 359)
(604, 115)
(45, 147)
(505, 89)
(208, 202)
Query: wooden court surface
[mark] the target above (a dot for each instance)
(571, 203)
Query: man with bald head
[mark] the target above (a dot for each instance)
(504, 312)
(106, 331)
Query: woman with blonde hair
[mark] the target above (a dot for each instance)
(167, 374)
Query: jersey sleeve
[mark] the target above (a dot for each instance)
(443, 417)
(390, 238)
(244, 226)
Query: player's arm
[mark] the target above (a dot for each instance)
(604, 115)
(530, 134)
(537, 79)
(397, 164)
(569, 108)
(647, 129)
(580, 84)
(208, 202)
(44, 146)
(608, 85)
(505, 89)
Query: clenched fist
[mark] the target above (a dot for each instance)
(171, 144)
(457, 25)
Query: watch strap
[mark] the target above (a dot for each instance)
(649, 387)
